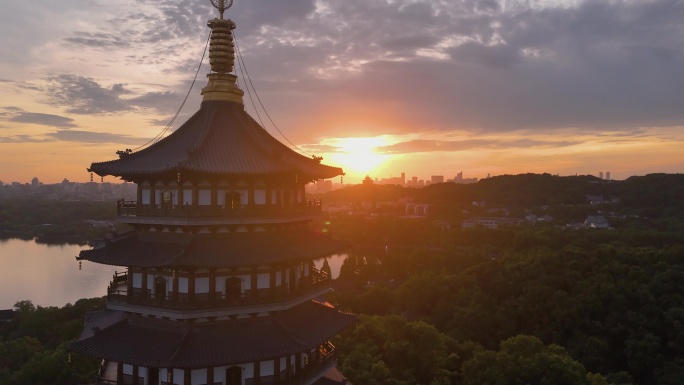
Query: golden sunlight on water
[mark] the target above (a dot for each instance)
(48, 275)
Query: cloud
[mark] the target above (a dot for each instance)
(24, 139)
(94, 137)
(84, 96)
(43, 119)
(98, 40)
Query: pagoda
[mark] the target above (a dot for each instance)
(220, 284)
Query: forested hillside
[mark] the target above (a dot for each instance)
(514, 305)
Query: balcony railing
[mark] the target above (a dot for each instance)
(314, 370)
(316, 281)
(134, 209)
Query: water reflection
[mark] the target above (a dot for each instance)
(48, 275)
(334, 261)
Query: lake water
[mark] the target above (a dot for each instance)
(49, 275)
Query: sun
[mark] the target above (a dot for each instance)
(358, 156)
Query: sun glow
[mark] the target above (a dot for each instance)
(357, 156)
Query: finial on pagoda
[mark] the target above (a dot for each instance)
(222, 84)
(222, 5)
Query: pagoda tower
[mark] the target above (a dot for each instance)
(220, 284)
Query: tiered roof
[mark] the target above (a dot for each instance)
(215, 250)
(221, 138)
(153, 342)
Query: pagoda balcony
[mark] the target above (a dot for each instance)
(145, 301)
(324, 360)
(133, 212)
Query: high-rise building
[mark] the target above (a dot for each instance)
(437, 179)
(220, 283)
(600, 174)
(607, 175)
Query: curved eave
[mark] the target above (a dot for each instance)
(219, 139)
(160, 343)
(215, 250)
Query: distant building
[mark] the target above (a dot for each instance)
(596, 222)
(490, 222)
(459, 179)
(607, 175)
(437, 179)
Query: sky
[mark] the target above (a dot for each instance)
(377, 87)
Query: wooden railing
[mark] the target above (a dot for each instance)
(316, 281)
(133, 209)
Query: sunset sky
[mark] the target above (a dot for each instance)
(378, 87)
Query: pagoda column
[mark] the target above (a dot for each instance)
(187, 376)
(195, 195)
(276, 370)
(288, 369)
(191, 287)
(269, 196)
(139, 196)
(250, 195)
(212, 285)
(279, 195)
(298, 363)
(129, 285)
(210, 376)
(144, 284)
(257, 373)
(272, 283)
(174, 287)
(255, 276)
(214, 195)
(135, 374)
(119, 373)
(180, 196)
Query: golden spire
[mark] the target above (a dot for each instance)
(222, 84)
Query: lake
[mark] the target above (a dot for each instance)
(49, 275)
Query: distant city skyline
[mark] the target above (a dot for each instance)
(375, 87)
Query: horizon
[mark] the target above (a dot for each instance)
(377, 88)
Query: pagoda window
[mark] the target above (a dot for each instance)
(183, 285)
(259, 197)
(267, 371)
(187, 197)
(202, 285)
(145, 196)
(137, 280)
(198, 377)
(204, 197)
(234, 375)
(263, 280)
